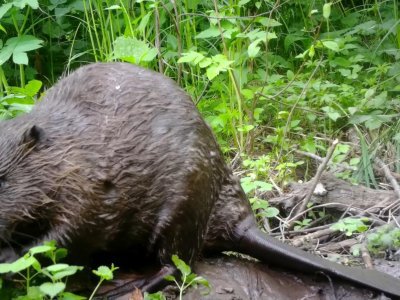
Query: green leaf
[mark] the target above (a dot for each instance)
(271, 212)
(267, 22)
(169, 278)
(52, 289)
(243, 2)
(104, 272)
(41, 248)
(22, 3)
(71, 296)
(209, 33)
(133, 50)
(332, 113)
(253, 48)
(181, 265)
(4, 9)
(22, 263)
(192, 57)
(154, 296)
(331, 45)
(71, 270)
(5, 268)
(34, 293)
(17, 46)
(113, 7)
(33, 87)
(326, 10)
(57, 267)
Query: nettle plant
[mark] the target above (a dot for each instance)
(39, 282)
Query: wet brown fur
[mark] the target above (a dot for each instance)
(122, 159)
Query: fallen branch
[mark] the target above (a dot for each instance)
(314, 183)
(311, 236)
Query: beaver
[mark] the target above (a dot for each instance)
(117, 158)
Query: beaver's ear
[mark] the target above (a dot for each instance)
(32, 135)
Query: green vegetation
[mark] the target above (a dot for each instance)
(188, 279)
(40, 282)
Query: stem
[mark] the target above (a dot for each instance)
(90, 31)
(22, 75)
(3, 80)
(95, 289)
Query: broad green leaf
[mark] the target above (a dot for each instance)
(52, 289)
(133, 50)
(191, 57)
(57, 267)
(332, 113)
(71, 270)
(34, 292)
(20, 58)
(326, 10)
(334, 46)
(33, 87)
(16, 45)
(181, 265)
(41, 248)
(22, 3)
(264, 186)
(4, 9)
(22, 263)
(104, 272)
(271, 212)
(204, 63)
(5, 268)
(212, 72)
(268, 22)
(253, 49)
(209, 33)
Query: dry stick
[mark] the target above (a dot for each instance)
(316, 179)
(320, 159)
(311, 236)
(389, 176)
(334, 247)
(366, 257)
(300, 231)
(393, 182)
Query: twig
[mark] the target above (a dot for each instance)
(389, 176)
(311, 236)
(333, 247)
(366, 257)
(315, 181)
(320, 159)
(300, 231)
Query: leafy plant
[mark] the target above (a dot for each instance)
(351, 226)
(188, 279)
(385, 238)
(45, 282)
